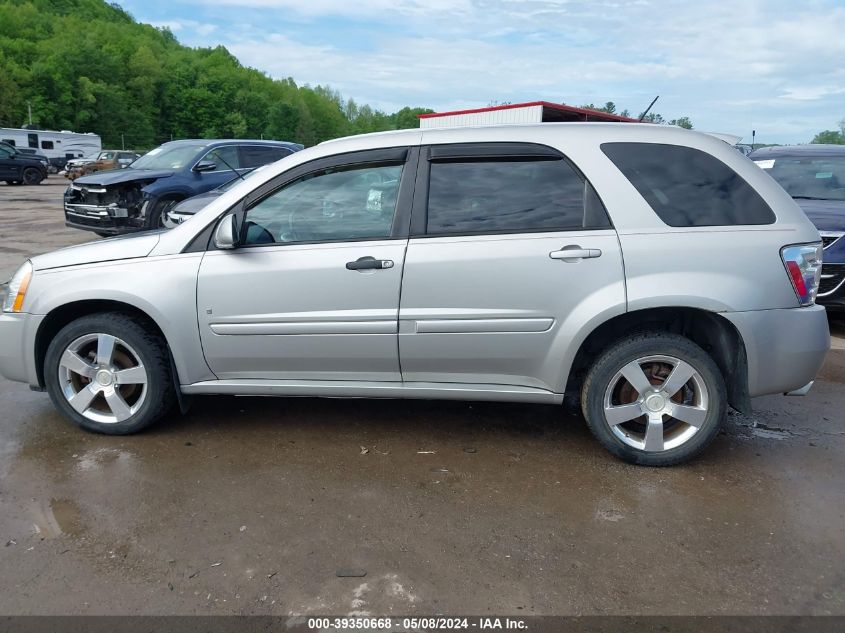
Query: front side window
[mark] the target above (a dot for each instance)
(509, 196)
(337, 204)
(225, 158)
(687, 187)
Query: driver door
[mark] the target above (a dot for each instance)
(313, 291)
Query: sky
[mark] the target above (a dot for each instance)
(733, 66)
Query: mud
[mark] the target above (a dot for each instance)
(264, 506)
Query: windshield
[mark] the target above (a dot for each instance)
(812, 177)
(164, 157)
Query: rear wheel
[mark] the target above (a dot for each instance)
(32, 176)
(655, 399)
(109, 373)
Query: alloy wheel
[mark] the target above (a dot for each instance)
(656, 403)
(102, 378)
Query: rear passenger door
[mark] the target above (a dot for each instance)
(509, 245)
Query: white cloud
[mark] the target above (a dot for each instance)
(728, 65)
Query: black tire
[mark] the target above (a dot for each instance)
(159, 212)
(152, 351)
(605, 370)
(32, 176)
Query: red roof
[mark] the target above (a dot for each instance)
(551, 112)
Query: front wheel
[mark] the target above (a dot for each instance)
(159, 213)
(109, 373)
(654, 399)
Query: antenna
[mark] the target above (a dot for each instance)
(642, 116)
(223, 160)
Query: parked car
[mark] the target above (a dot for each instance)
(814, 175)
(18, 168)
(103, 161)
(652, 271)
(138, 198)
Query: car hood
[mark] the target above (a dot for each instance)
(827, 215)
(129, 246)
(197, 203)
(120, 176)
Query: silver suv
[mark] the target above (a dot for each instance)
(654, 272)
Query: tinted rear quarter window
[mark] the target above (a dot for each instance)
(509, 196)
(687, 187)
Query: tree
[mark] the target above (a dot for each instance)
(683, 122)
(834, 137)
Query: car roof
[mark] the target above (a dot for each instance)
(799, 150)
(205, 142)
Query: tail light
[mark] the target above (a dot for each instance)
(803, 264)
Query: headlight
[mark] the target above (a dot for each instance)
(17, 288)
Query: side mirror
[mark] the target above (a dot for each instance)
(205, 165)
(225, 236)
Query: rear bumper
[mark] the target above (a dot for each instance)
(17, 346)
(785, 348)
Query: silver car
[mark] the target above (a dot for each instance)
(654, 272)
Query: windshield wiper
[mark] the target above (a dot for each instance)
(810, 198)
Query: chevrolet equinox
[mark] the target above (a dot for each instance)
(654, 272)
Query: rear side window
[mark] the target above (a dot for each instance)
(688, 187)
(256, 155)
(510, 196)
(47, 145)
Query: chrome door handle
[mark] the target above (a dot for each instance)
(369, 263)
(573, 253)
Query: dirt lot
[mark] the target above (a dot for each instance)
(251, 505)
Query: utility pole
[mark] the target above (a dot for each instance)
(122, 144)
(29, 108)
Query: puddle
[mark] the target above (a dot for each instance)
(58, 517)
(101, 457)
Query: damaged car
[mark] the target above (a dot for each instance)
(138, 197)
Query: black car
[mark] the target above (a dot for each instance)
(18, 168)
(138, 197)
(814, 175)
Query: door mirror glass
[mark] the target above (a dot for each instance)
(225, 237)
(205, 165)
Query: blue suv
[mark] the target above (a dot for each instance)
(138, 198)
(814, 175)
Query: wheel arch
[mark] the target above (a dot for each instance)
(712, 332)
(60, 316)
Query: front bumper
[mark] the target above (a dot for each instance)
(102, 219)
(785, 348)
(17, 346)
(832, 288)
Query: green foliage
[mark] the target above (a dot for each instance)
(652, 117)
(86, 65)
(834, 137)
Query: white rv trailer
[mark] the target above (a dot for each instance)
(58, 147)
